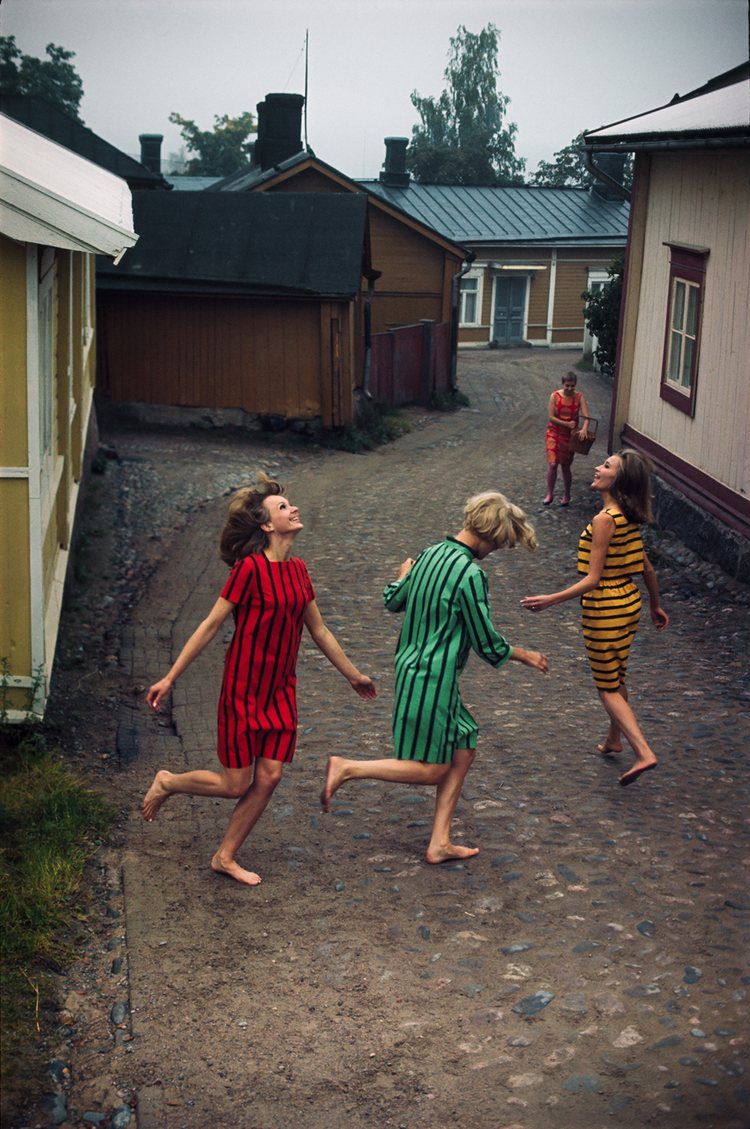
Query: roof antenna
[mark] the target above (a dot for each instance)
(307, 32)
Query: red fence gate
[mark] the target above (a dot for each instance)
(409, 364)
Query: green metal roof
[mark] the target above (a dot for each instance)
(528, 215)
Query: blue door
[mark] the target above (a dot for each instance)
(510, 303)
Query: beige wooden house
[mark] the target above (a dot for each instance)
(57, 212)
(682, 391)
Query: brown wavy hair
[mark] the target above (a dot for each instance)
(242, 533)
(632, 486)
(492, 517)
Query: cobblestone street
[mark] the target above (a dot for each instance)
(588, 967)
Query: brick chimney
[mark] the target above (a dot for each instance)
(279, 129)
(394, 172)
(151, 151)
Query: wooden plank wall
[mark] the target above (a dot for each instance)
(213, 351)
(700, 200)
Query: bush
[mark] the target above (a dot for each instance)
(602, 314)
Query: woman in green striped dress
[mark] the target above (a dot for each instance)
(610, 553)
(443, 595)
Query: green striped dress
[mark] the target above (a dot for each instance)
(447, 615)
(611, 610)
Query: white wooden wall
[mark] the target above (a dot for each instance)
(701, 200)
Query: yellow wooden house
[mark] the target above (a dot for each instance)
(57, 211)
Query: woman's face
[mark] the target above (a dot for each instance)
(283, 516)
(569, 386)
(606, 473)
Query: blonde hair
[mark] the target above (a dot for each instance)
(493, 518)
(242, 533)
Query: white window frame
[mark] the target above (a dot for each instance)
(474, 275)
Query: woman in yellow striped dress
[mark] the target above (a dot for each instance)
(610, 553)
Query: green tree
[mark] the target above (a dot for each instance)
(464, 138)
(223, 150)
(55, 79)
(602, 316)
(568, 169)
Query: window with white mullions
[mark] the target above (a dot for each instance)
(687, 279)
(470, 308)
(685, 297)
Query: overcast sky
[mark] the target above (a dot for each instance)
(566, 65)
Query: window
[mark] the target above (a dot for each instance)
(470, 311)
(687, 273)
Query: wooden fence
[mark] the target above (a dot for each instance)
(409, 364)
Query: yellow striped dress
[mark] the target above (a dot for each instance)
(611, 610)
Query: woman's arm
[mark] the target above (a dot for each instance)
(659, 617)
(394, 595)
(326, 642)
(198, 641)
(585, 414)
(602, 528)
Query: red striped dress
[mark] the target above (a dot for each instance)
(257, 714)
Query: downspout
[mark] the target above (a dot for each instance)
(604, 177)
(372, 278)
(455, 292)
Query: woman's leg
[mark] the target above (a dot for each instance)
(551, 477)
(567, 477)
(248, 811)
(448, 779)
(612, 743)
(621, 716)
(393, 771)
(441, 849)
(227, 784)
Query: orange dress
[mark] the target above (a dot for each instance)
(558, 438)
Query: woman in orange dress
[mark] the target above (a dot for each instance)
(566, 407)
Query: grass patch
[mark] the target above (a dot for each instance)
(375, 426)
(449, 401)
(50, 825)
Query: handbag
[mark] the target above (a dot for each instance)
(583, 446)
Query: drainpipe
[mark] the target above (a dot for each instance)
(372, 278)
(455, 292)
(604, 177)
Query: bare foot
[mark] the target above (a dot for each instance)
(155, 796)
(633, 773)
(608, 750)
(437, 855)
(334, 780)
(233, 869)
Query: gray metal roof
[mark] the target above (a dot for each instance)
(192, 183)
(528, 215)
(302, 244)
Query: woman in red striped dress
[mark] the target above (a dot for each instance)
(271, 597)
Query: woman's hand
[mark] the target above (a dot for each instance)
(533, 659)
(659, 617)
(364, 686)
(405, 567)
(158, 691)
(537, 603)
